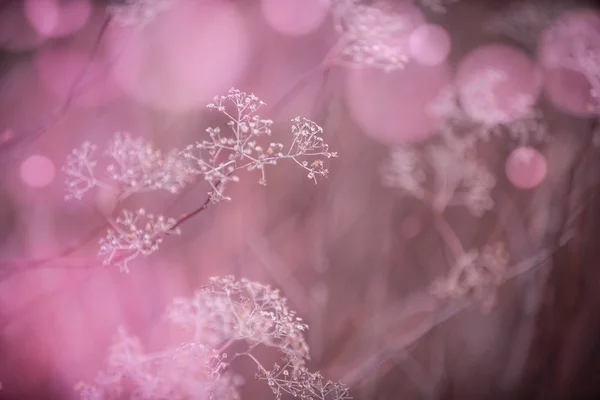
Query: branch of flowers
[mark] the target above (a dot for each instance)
(56, 261)
(67, 251)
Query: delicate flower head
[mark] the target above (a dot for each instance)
(372, 35)
(137, 13)
(135, 234)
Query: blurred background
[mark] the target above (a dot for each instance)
(354, 255)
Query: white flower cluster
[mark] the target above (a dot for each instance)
(485, 119)
(575, 48)
(447, 172)
(191, 371)
(137, 13)
(441, 176)
(134, 166)
(475, 273)
(228, 309)
(304, 385)
(219, 158)
(135, 234)
(80, 171)
(371, 35)
(224, 313)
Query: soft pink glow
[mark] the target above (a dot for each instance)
(22, 99)
(429, 44)
(49, 18)
(37, 171)
(43, 15)
(295, 17)
(6, 136)
(569, 51)
(72, 74)
(503, 99)
(395, 107)
(526, 168)
(187, 55)
(411, 227)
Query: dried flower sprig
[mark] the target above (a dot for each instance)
(135, 234)
(225, 312)
(219, 158)
(371, 35)
(228, 309)
(136, 167)
(80, 171)
(485, 119)
(441, 176)
(475, 273)
(137, 13)
(191, 371)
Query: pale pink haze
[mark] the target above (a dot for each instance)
(572, 74)
(43, 15)
(277, 73)
(411, 227)
(526, 168)
(6, 136)
(506, 100)
(429, 44)
(294, 17)
(37, 171)
(71, 74)
(53, 18)
(184, 57)
(395, 107)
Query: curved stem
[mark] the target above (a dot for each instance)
(450, 237)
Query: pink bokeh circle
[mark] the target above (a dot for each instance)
(188, 55)
(571, 92)
(16, 33)
(396, 107)
(295, 17)
(71, 75)
(526, 168)
(569, 51)
(497, 84)
(37, 171)
(54, 18)
(429, 44)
